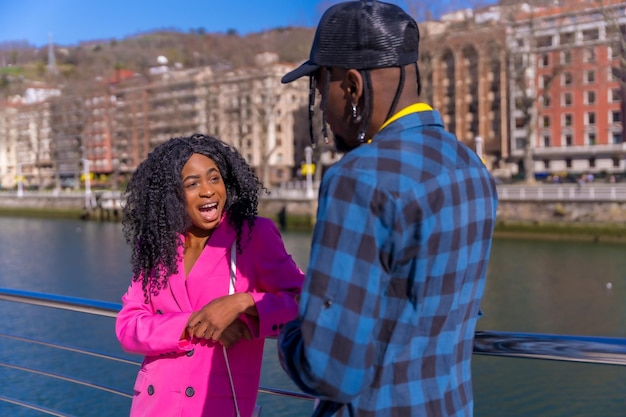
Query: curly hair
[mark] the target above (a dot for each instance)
(154, 214)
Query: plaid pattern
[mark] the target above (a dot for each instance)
(397, 271)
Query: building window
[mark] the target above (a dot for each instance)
(566, 78)
(544, 81)
(615, 162)
(592, 162)
(616, 116)
(590, 118)
(546, 141)
(544, 41)
(589, 55)
(546, 164)
(591, 138)
(546, 121)
(545, 100)
(567, 99)
(519, 123)
(566, 57)
(568, 162)
(590, 77)
(569, 140)
(544, 60)
(591, 35)
(615, 74)
(616, 96)
(590, 97)
(519, 143)
(567, 38)
(568, 120)
(614, 52)
(616, 137)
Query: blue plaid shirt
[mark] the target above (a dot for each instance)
(397, 271)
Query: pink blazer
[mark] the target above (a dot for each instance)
(189, 380)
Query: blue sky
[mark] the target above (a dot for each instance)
(72, 21)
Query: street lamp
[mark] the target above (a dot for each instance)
(20, 185)
(309, 172)
(479, 147)
(87, 183)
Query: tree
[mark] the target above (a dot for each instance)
(530, 84)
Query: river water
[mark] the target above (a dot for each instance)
(533, 286)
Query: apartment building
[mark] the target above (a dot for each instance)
(107, 128)
(463, 64)
(571, 91)
(26, 139)
(246, 107)
(531, 88)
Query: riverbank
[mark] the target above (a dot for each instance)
(50, 213)
(562, 231)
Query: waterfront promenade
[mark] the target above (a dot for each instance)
(569, 202)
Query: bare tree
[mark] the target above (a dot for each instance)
(67, 118)
(530, 90)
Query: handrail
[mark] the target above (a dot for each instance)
(569, 348)
(83, 305)
(100, 308)
(35, 407)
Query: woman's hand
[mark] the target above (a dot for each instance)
(215, 317)
(235, 332)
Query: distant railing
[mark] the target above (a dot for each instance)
(298, 190)
(597, 192)
(294, 190)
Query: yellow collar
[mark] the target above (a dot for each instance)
(413, 108)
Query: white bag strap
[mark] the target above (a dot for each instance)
(233, 268)
(231, 290)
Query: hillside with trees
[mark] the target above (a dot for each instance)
(21, 63)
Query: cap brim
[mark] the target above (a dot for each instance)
(305, 69)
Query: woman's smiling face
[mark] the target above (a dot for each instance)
(205, 193)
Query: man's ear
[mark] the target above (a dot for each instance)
(355, 84)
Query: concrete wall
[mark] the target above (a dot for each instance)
(562, 212)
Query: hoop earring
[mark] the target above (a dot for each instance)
(355, 114)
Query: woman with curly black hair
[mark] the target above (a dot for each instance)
(190, 218)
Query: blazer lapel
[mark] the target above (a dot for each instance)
(177, 285)
(192, 292)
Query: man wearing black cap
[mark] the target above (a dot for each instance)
(403, 234)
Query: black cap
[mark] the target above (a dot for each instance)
(362, 34)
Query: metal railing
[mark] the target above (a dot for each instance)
(590, 192)
(297, 190)
(568, 348)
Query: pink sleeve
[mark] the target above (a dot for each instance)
(278, 280)
(140, 329)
